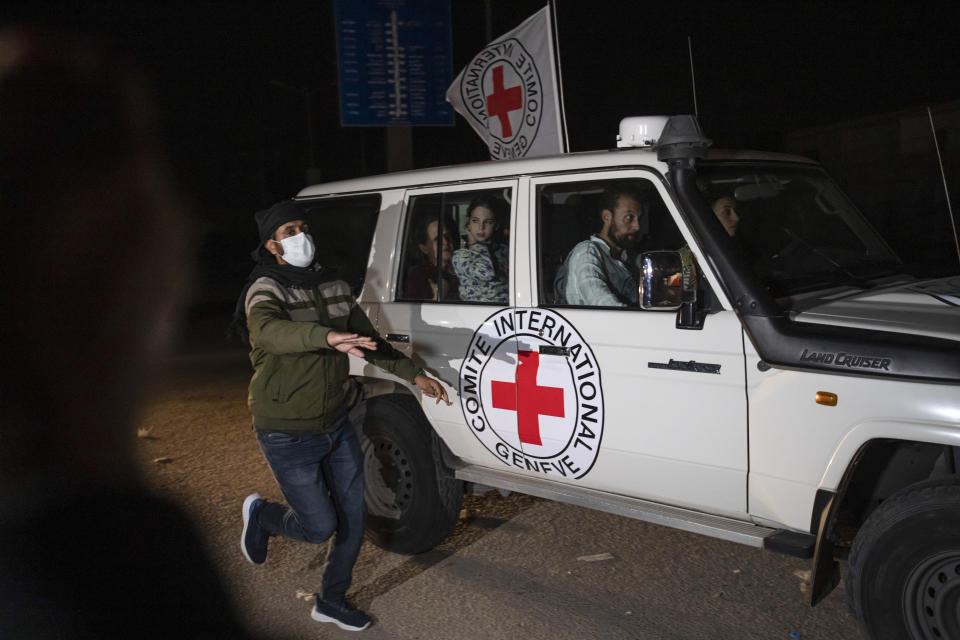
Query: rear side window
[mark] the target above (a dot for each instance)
(342, 230)
(456, 247)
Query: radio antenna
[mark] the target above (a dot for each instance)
(946, 189)
(693, 80)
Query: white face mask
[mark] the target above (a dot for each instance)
(298, 250)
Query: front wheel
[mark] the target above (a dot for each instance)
(412, 501)
(904, 571)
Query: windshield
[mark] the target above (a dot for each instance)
(795, 228)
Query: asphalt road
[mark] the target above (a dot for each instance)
(515, 566)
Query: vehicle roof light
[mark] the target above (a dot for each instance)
(640, 131)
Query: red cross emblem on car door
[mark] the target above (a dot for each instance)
(527, 398)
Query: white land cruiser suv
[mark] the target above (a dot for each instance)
(790, 387)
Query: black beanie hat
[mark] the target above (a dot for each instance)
(270, 219)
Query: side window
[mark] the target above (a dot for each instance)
(590, 234)
(342, 230)
(457, 247)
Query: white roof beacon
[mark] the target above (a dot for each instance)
(640, 131)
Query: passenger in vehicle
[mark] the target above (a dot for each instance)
(725, 208)
(483, 264)
(600, 270)
(422, 281)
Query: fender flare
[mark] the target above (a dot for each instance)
(857, 438)
(825, 574)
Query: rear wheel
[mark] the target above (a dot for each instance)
(904, 573)
(413, 502)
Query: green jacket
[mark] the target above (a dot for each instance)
(299, 381)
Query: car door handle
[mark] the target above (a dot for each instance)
(398, 337)
(553, 350)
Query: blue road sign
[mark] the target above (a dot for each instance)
(394, 61)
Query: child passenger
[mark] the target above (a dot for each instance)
(482, 265)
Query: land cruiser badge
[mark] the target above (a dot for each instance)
(530, 392)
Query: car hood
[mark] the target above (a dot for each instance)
(930, 307)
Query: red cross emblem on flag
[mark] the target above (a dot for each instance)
(502, 101)
(527, 398)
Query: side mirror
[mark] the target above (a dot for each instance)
(661, 277)
(668, 281)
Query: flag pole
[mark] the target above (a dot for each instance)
(555, 42)
(488, 20)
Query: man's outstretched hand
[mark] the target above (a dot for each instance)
(431, 388)
(351, 343)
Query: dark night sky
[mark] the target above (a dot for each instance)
(237, 139)
(761, 68)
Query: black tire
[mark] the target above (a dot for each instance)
(413, 501)
(904, 569)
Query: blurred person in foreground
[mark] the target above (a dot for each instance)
(92, 270)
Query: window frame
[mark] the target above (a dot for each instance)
(406, 245)
(654, 178)
(314, 219)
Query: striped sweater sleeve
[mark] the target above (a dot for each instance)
(271, 327)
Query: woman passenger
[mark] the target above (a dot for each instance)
(482, 266)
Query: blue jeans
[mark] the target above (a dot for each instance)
(321, 477)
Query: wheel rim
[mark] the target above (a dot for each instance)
(932, 597)
(388, 478)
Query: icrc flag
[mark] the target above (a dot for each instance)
(509, 92)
